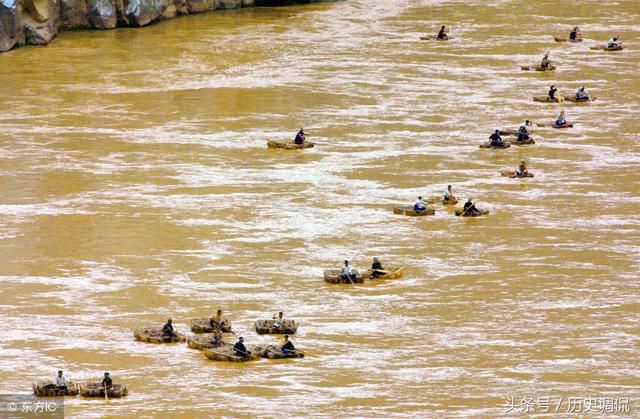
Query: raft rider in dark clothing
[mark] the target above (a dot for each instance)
(470, 208)
(443, 33)
(240, 349)
(107, 382)
(553, 91)
(376, 269)
(524, 131)
(575, 34)
(300, 137)
(288, 347)
(167, 330)
(496, 139)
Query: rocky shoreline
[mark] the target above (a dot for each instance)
(37, 22)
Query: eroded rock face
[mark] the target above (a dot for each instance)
(11, 34)
(229, 4)
(74, 14)
(143, 12)
(199, 6)
(182, 6)
(40, 19)
(37, 22)
(102, 14)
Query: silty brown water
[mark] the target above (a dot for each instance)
(136, 185)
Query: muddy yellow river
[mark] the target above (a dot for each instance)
(135, 185)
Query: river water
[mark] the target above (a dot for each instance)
(136, 185)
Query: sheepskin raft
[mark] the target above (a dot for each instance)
(275, 352)
(276, 327)
(333, 277)
(408, 210)
(393, 272)
(203, 325)
(49, 389)
(97, 390)
(227, 354)
(154, 335)
(460, 212)
(289, 144)
(203, 341)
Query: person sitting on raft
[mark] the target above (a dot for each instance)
(279, 318)
(288, 347)
(470, 208)
(107, 382)
(217, 322)
(376, 269)
(613, 42)
(496, 139)
(581, 94)
(546, 63)
(561, 121)
(347, 271)
(553, 93)
(443, 33)
(419, 205)
(522, 169)
(575, 34)
(216, 339)
(300, 137)
(61, 381)
(448, 194)
(240, 349)
(524, 131)
(167, 329)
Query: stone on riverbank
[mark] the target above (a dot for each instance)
(40, 19)
(11, 33)
(74, 14)
(143, 12)
(230, 4)
(102, 14)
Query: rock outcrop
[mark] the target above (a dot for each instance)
(74, 14)
(142, 12)
(102, 14)
(11, 28)
(40, 19)
(37, 22)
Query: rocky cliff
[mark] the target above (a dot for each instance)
(37, 22)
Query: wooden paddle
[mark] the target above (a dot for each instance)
(464, 211)
(349, 278)
(268, 349)
(246, 354)
(106, 395)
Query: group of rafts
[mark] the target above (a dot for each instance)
(522, 136)
(210, 335)
(209, 331)
(61, 385)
